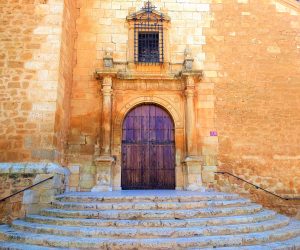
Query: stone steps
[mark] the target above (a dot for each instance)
(152, 220)
(152, 214)
(291, 244)
(20, 246)
(263, 215)
(173, 232)
(137, 196)
(148, 205)
(284, 233)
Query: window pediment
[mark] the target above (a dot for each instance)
(148, 12)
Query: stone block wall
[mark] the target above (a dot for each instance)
(15, 177)
(65, 78)
(253, 48)
(34, 78)
(232, 185)
(11, 183)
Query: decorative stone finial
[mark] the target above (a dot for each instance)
(108, 59)
(188, 52)
(188, 59)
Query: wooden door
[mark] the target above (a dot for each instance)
(148, 149)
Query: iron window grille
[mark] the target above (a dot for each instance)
(148, 36)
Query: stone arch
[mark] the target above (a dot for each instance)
(178, 121)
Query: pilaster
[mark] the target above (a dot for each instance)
(193, 161)
(103, 159)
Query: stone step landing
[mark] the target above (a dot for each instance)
(147, 205)
(146, 196)
(152, 220)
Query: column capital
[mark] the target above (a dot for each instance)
(101, 74)
(189, 81)
(107, 81)
(189, 93)
(107, 86)
(196, 75)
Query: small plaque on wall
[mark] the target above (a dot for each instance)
(213, 133)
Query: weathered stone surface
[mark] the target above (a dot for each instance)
(15, 177)
(252, 111)
(32, 168)
(80, 226)
(36, 72)
(246, 105)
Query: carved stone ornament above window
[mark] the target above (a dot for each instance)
(148, 31)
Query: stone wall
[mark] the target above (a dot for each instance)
(66, 65)
(15, 177)
(254, 48)
(31, 81)
(232, 185)
(10, 183)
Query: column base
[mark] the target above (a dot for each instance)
(104, 166)
(101, 189)
(193, 174)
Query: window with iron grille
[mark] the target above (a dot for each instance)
(148, 36)
(148, 47)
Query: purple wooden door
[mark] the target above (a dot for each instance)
(148, 149)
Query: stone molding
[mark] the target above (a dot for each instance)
(127, 75)
(101, 74)
(178, 120)
(34, 168)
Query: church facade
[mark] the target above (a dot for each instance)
(154, 95)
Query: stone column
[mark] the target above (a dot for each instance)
(193, 162)
(190, 117)
(106, 115)
(105, 161)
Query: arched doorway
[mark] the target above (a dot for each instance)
(148, 149)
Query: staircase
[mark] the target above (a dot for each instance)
(152, 220)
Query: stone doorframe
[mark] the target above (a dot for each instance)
(107, 155)
(179, 136)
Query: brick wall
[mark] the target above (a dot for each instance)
(255, 46)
